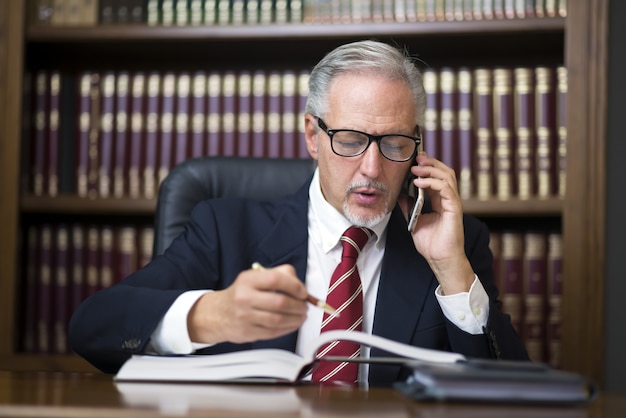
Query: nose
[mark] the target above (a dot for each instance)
(372, 161)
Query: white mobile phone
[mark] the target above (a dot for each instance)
(418, 195)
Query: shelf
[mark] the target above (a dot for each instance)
(83, 206)
(47, 362)
(292, 31)
(126, 206)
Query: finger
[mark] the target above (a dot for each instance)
(280, 279)
(277, 302)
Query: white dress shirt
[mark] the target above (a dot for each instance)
(467, 310)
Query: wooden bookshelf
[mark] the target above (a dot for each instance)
(579, 41)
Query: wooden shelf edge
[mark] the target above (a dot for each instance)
(78, 205)
(295, 31)
(514, 207)
(45, 362)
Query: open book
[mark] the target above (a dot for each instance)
(265, 364)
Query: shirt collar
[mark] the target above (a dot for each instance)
(331, 224)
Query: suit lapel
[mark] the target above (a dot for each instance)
(405, 282)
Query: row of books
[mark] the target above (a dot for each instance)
(240, 12)
(67, 263)
(528, 267)
(501, 129)
(129, 129)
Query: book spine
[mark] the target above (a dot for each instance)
(535, 264)
(61, 314)
(229, 113)
(484, 137)
(447, 115)
(153, 113)
(274, 115)
(495, 246)
(303, 93)
(137, 11)
(182, 16)
(53, 135)
(153, 12)
(555, 294)
(94, 136)
(466, 133)
(137, 131)
(214, 119)
(106, 12)
(78, 271)
(106, 257)
(92, 261)
(40, 133)
(68, 124)
(545, 123)
(512, 278)
(210, 12)
(121, 140)
(166, 126)
(126, 249)
(503, 130)
(288, 114)
(84, 122)
(89, 12)
(183, 89)
(244, 113)
(524, 128)
(196, 12)
(259, 127)
(561, 165)
(198, 111)
(44, 292)
(106, 134)
(167, 15)
(431, 116)
(145, 246)
(32, 264)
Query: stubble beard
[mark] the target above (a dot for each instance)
(361, 220)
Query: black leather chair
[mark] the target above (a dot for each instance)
(209, 177)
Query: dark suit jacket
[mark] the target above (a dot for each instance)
(225, 236)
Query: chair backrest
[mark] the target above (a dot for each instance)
(203, 178)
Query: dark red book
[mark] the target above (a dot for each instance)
(274, 149)
(214, 114)
(146, 242)
(125, 249)
(61, 314)
(524, 109)
(561, 149)
(448, 118)
(137, 112)
(107, 262)
(229, 113)
(40, 138)
(78, 271)
(466, 141)
(92, 261)
(45, 297)
(535, 282)
(555, 295)
(30, 289)
(82, 135)
(244, 114)
(545, 120)
(484, 133)
(259, 127)
(166, 126)
(182, 119)
(105, 140)
(121, 161)
(95, 119)
(431, 128)
(513, 278)
(151, 146)
(52, 164)
(198, 114)
(503, 132)
(302, 93)
(288, 107)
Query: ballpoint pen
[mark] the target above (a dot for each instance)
(310, 298)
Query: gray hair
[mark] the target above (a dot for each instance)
(365, 57)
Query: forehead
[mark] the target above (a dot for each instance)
(370, 101)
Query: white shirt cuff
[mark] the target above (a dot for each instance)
(171, 335)
(467, 310)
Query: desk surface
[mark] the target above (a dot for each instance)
(69, 395)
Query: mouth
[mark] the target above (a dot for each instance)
(367, 195)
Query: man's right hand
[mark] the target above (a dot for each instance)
(259, 305)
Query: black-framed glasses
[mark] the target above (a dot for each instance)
(350, 143)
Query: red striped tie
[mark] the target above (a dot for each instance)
(346, 295)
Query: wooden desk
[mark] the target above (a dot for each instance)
(70, 395)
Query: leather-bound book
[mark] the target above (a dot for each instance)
(535, 281)
(52, 165)
(121, 162)
(512, 278)
(259, 127)
(229, 113)
(555, 295)
(30, 289)
(274, 149)
(198, 114)
(504, 132)
(431, 130)
(244, 113)
(288, 132)
(182, 118)
(125, 249)
(303, 92)
(561, 109)
(78, 271)
(107, 261)
(466, 142)
(524, 105)
(151, 146)
(40, 138)
(545, 121)
(449, 140)
(105, 141)
(214, 113)
(484, 133)
(166, 126)
(61, 313)
(44, 306)
(137, 124)
(92, 261)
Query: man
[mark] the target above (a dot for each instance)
(432, 287)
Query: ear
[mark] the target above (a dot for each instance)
(311, 134)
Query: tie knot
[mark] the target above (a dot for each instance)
(353, 241)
